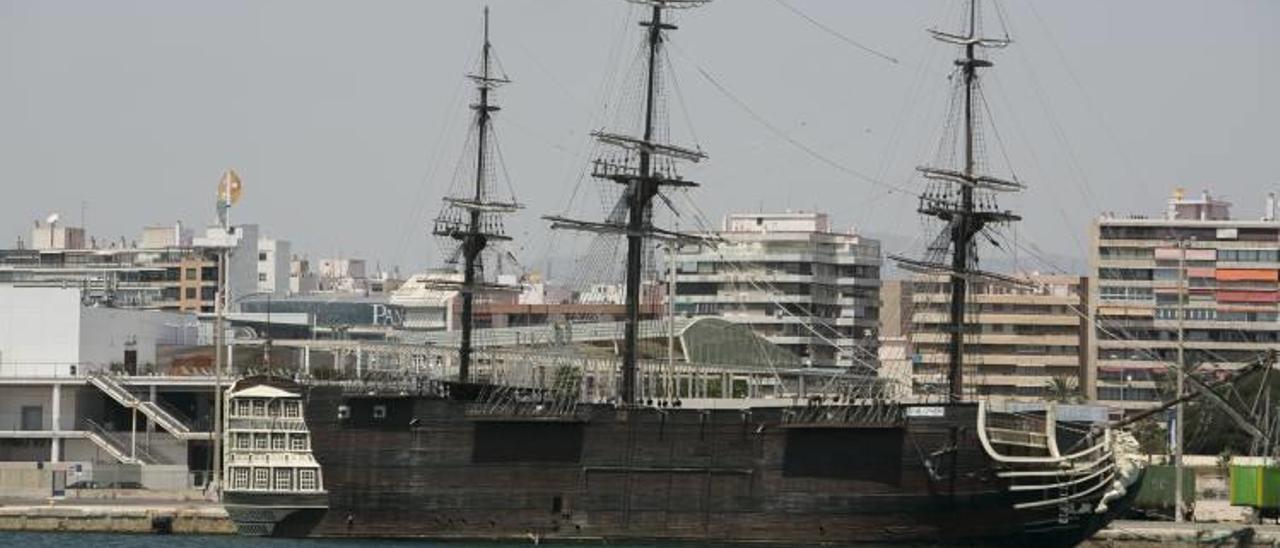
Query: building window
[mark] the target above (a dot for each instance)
(307, 479)
(379, 411)
(262, 256)
(240, 477)
(344, 412)
(298, 442)
(259, 408)
(277, 442)
(262, 276)
(262, 478)
(284, 479)
(242, 408)
(291, 409)
(259, 441)
(274, 409)
(242, 441)
(191, 293)
(189, 274)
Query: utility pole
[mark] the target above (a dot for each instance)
(219, 332)
(1179, 434)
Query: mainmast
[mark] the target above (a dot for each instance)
(472, 217)
(644, 181)
(962, 196)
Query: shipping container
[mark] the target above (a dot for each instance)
(1155, 493)
(1255, 486)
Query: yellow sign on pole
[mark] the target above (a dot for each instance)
(229, 187)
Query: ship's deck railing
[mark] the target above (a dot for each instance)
(273, 423)
(1057, 478)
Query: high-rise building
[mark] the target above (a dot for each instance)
(793, 280)
(1220, 272)
(1026, 342)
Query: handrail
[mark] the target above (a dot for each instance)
(155, 410)
(102, 441)
(122, 447)
(1048, 502)
(1055, 472)
(166, 419)
(1042, 486)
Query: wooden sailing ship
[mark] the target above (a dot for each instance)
(459, 460)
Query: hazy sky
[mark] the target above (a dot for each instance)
(345, 119)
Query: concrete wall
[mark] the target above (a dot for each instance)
(166, 477)
(25, 480)
(39, 330)
(242, 269)
(14, 398)
(85, 451)
(105, 334)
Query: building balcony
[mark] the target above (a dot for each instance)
(997, 338)
(1000, 299)
(1020, 360)
(989, 318)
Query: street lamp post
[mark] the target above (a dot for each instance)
(266, 345)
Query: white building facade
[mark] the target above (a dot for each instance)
(274, 266)
(793, 280)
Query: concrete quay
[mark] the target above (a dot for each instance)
(1144, 534)
(116, 516)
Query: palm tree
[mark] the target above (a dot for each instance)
(1062, 390)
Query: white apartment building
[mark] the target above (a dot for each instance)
(1228, 293)
(274, 267)
(793, 280)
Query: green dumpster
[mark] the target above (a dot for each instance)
(1157, 487)
(1255, 486)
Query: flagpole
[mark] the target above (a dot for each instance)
(225, 190)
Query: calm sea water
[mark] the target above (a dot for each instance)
(95, 540)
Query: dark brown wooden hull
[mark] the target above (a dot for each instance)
(431, 469)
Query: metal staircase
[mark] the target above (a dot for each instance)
(116, 445)
(157, 413)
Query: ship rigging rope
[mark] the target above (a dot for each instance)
(419, 204)
(823, 27)
(779, 133)
(1088, 100)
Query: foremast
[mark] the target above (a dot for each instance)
(636, 169)
(962, 196)
(472, 217)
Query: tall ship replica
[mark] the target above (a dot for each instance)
(463, 458)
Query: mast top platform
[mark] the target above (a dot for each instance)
(671, 4)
